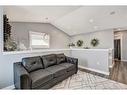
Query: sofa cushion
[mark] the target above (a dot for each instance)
(40, 77)
(32, 63)
(60, 58)
(49, 60)
(68, 66)
(57, 70)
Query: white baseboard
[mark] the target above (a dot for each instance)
(122, 60)
(111, 66)
(9, 88)
(102, 72)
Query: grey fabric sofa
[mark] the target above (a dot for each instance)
(43, 72)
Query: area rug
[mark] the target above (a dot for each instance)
(87, 81)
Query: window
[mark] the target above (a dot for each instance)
(38, 40)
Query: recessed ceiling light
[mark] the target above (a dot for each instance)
(91, 20)
(95, 27)
(119, 29)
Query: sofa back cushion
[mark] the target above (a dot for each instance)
(49, 60)
(60, 58)
(32, 63)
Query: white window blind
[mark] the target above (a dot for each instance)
(39, 40)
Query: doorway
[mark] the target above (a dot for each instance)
(119, 69)
(117, 49)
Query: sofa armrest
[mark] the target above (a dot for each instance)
(21, 77)
(73, 61)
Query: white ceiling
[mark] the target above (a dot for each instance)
(72, 19)
(37, 13)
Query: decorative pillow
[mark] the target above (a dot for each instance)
(49, 60)
(32, 63)
(60, 58)
(69, 59)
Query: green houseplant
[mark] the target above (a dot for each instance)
(71, 44)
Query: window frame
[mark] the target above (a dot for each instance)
(38, 46)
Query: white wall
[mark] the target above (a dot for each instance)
(93, 59)
(1, 28)
(124, 46)
(20, 33)
(106, 39)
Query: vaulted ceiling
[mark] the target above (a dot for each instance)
(71, 19)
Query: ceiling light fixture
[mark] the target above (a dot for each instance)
(95, 27)
(119, 29)
(91, 20)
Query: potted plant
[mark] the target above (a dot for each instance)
(71, 45)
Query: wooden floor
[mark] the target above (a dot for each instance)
(119, 72)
